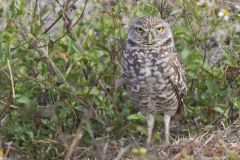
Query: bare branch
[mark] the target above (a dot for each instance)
(77, 138)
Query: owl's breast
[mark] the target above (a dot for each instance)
(148, 77)
(144, 65)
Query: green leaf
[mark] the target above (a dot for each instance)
(136, 117)
(94, 91)
(211, 85)
(23, 100)
(185, 53)
(219, 110)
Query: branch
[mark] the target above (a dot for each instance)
(11, 76)
(85, 4)
(78, 136)
(53, 24)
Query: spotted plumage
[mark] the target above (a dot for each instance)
(152, 72)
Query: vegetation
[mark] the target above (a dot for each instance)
(60, 62)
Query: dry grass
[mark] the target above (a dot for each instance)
(222, 144)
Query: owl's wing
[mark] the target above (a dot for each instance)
(178, 79)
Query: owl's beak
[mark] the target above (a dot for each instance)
(150, 38)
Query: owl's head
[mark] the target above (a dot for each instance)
(149, 31)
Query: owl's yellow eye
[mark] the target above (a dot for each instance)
(139, 29)
(160, 29)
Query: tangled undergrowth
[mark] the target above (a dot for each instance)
(60, 63)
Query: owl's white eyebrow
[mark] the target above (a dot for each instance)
(159, 26)
(139, 26)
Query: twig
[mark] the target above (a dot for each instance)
(121, 152)
(205, 49)
(232, 3)
(162, 5)
(59, 3)
(57, 71)
(78, 42)
(44, 55)
(53, 24)
(85, 4)
(7, 104)
(14, 48)
(188, 20)
(78, 136)
(74, 24)
(11, 78)
(208, 140)
(34, 14)
(7, 107)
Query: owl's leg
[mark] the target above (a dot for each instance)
(167, 119)
(150, 122)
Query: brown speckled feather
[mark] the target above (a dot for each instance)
(151, 76)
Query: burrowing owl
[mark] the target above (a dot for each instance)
(152, 72)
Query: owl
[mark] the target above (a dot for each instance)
(152, 72)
